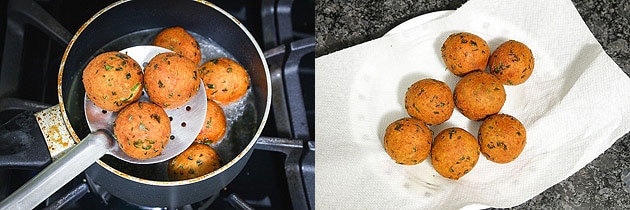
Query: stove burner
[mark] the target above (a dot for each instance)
(280, 173)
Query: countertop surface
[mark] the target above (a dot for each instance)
(602, 184)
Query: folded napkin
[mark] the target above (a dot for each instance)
(574, 107)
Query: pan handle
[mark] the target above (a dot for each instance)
(60, 172)
(23, 145)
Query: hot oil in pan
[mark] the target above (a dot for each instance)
(241, 115)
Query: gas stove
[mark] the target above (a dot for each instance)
(280, 173)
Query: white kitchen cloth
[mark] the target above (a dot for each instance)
(575, 105)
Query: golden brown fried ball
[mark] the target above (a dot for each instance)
(502, 138)
(226, 81)
(142, 130)
(214, 125)
(429, 100)
(478, 95)
(197, 160)
(171, 80)
(112, 80)
(179, 41)
(464, 52)
(512, 63)
(454, 153)
(408, 141)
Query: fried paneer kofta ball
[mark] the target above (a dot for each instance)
(197, 160)
(112, 80)
(465, 52)
(502, 138)
(179, 41)
(454, 153)
(214, 125)
(171, 80)
(142, 130)
(408, 141)
(478, 95)
(225, 80)
(512, 63)
(429, 100)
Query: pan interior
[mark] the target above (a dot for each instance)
(242, 119)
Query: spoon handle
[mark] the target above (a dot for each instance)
(60, 172)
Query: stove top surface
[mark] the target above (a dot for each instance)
(280, 173)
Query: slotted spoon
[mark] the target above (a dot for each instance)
(186, 123)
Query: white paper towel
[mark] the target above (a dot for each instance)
(574, 106)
